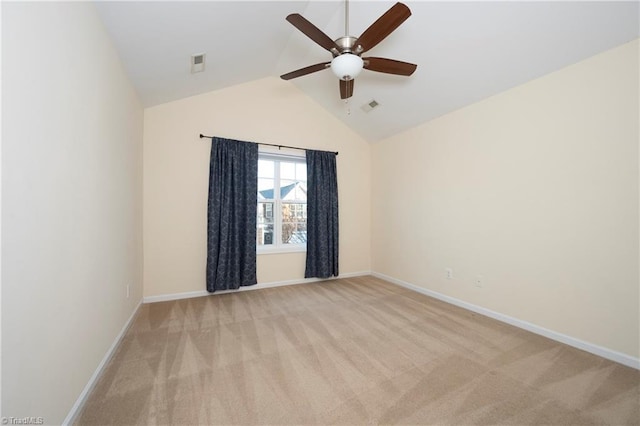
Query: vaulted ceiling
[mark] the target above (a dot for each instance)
(465, 51)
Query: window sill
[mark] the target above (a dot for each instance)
(281, 250)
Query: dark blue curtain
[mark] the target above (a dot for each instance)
(322, 215)
(231, 236)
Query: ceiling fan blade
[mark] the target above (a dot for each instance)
(384, 26)
(312, 32)
(389, 66)
(306, 70)
(346, 89)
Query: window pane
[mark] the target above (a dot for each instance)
(292, 190)
(265, 212)
(287, 170)
(265, 189)
(266, 168)
(287, 189)
(282, 197)
(294, 212)
(301, 191)
(301, 171)
(294, 223)
(294, 232)
(264, 234)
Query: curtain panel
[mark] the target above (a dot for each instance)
(322, 215)
(231, 226)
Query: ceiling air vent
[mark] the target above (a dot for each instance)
(370, 105)
(197, 63)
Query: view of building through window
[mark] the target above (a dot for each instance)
(282, 201)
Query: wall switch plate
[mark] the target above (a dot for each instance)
(448, 273)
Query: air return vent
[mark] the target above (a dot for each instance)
(370, 105)
(197, 62)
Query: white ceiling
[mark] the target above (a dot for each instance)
(465, 51)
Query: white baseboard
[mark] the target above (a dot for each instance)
(609, 354)
(200, 293)
(96, 374)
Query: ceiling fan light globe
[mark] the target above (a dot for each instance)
(347, 66)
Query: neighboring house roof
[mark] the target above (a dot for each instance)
(284, 191)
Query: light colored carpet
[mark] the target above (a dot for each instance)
(349, 351)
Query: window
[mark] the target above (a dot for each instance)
(282, 203)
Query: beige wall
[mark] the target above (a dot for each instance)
(176, 176)
(71, 188)
(536, 190)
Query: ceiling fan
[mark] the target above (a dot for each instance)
(347, 51)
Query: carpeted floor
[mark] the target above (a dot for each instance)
(349, 351)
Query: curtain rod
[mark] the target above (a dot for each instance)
(278, 146)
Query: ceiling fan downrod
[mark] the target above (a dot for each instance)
(346, 18)
(347, 42)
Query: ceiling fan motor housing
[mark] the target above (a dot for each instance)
(346, 45)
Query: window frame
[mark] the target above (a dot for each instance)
(279, 247)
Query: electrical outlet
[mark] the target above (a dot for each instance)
(479, 281)
(448, 273)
